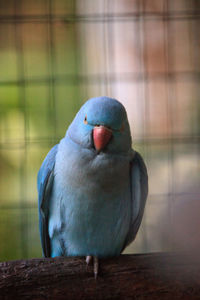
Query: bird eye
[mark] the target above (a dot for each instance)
(85, 120)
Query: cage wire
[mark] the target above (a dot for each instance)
(57, 54)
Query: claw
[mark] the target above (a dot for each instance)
(96, 266)
(88, 259)
(95, 259)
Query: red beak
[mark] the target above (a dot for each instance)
(101, 137)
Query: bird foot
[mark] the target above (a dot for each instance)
(95, 259)
(88, 259)
(96, 266)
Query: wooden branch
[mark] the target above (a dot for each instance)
(145, 276)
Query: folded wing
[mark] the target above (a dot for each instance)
(44, 184)
(139, 191)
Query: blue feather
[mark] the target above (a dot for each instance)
(44, 185)
(92, 203)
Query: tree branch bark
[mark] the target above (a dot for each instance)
(144, 276)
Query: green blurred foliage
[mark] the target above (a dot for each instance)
(34, 114)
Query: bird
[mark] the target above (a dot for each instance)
(92, 186)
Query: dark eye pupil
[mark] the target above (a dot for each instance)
(85, 120)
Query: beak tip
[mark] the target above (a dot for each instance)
(101, 137)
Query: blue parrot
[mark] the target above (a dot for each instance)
(92, 186)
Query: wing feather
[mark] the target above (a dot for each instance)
(44, 184)
(139, 191)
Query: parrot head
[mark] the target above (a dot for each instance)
(102, 125)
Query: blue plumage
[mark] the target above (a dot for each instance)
(91, 202)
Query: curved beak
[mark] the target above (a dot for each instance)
(101, 137)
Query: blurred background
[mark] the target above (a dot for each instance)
(54, 55)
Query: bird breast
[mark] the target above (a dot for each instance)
(92, 172)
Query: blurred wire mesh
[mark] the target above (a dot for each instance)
(54, 55)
